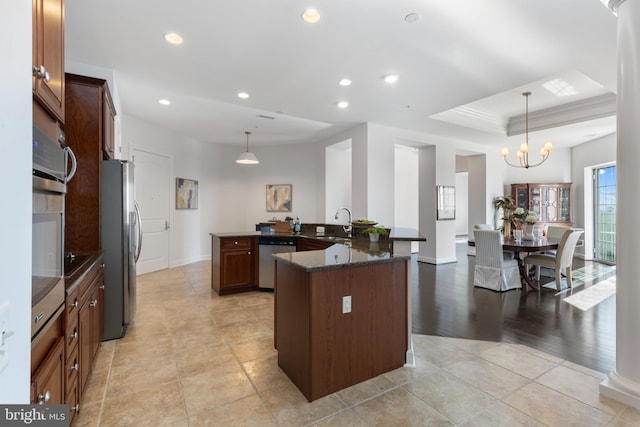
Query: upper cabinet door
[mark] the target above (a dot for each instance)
(48, 55)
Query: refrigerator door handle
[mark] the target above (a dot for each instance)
(139, 220)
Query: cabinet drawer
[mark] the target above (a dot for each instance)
(72, 306)
(71, 369)
(235, 243)
(73, 401)
(72, 335)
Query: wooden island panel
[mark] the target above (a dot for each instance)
(323, 350)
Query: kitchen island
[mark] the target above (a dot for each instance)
(341, 316)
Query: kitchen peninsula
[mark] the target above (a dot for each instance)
(342, 305)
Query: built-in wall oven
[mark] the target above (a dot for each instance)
(50, 160)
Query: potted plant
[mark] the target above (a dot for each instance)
(508, 206)
(375, 233)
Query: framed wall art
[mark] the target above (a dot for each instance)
(446, 202)
(279, 197)
(186, 193)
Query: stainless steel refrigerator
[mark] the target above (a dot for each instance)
(121, 244)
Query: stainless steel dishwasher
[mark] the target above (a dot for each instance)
(270, 245)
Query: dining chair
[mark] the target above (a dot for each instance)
(494, 269)
(554, 232)
(561, 262)
(471, 250)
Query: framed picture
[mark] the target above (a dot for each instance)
(279, 197)
(186, 193)
(446, 202)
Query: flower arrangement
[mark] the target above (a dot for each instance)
(522, 215)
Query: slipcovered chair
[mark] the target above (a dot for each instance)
(471, 250)
(562, 261)
(494, 269)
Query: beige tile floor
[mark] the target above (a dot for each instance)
(193, 358)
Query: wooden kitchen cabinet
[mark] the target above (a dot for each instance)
(234, 264)
(84, 311)
(47, 382)
(89, 132)
(550, 202)
(47, 80)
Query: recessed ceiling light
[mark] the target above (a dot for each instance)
(411, 18)
(311, 16)
(243, 95)
(343, 104)
(164, 102)
(391, 78)
(344, 82)
(173, 38)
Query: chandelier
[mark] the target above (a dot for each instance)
(523, 151)
(247, 157)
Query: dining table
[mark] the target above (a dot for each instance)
(528, 246)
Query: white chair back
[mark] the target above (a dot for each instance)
(488, 248)
(566, 248)
(556, 231)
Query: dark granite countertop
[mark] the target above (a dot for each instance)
(338, 256)
(75, 269)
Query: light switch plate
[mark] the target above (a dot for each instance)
(346, 304)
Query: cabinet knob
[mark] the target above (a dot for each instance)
(41, 73)
(235, 243)
(74, 335)
(93, 303)
(75, 408)
(74, 304)
(73, 367)
(249, 253)
(44, 398)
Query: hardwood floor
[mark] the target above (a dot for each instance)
(445, 303)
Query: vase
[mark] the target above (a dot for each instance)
(374, 237)
(528, 231)
(506, 228)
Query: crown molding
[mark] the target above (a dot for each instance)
(562, 115)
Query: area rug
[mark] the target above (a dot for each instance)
(593, 295)
(592, 272)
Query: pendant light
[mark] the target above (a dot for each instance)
(523, 151)
(247, 157)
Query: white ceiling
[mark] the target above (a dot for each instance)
(464, 54)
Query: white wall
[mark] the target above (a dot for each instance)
(15, 220)
(557, 168)
(233, 196)
(185, 153)
(337, 173)
(406, 187)
(462, 203)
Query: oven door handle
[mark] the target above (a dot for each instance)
(68, 153)
(139, 221)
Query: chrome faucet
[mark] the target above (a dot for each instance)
(346, 228)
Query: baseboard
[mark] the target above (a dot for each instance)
(619, 388)
(438, 261)
(185, 261)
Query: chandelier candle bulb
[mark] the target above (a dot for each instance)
(505, 151)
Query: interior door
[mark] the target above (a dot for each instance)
(153, 184)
